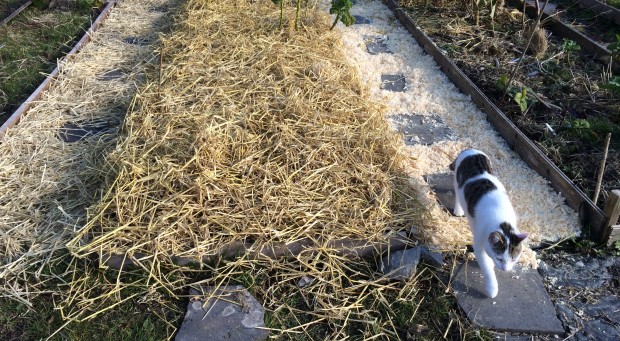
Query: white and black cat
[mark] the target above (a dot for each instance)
(492, 219)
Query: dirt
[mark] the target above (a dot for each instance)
(567, 111)
(585, 289)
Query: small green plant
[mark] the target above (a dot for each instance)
(616, 248)
(569, 47)
(580, 123)
(612, 84)
(614, 47)
(521, 99)
(341, 9)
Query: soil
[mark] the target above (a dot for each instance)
(567, 113)
(585, 289)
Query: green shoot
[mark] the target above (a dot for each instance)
(341, 9)
(521, 99)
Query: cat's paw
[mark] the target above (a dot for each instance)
(458, 211)
(492, 290)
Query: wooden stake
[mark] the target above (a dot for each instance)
(601, 169)
(612, 212)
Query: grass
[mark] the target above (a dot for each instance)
(141, 318)
(29, 48)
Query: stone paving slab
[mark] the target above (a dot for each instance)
(376, 45)
(394, 83)
(231, 314)
(442, 185)
(521, 306)
(72, 133)
(111, 75)
(361, 20)
(422, 129)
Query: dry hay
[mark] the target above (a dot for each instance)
(47, 184)
(255, 135)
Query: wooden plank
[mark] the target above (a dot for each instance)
(609, 12)
(556, 26)
(591, 216)
(15, 13)
(28, 103)
(345, 247)
(612, 211)
(614, 236)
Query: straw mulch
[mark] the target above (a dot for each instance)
(258, 135)
(47, 184)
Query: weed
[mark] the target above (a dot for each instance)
(341, 9)
(521, 99)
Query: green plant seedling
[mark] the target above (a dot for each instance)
(612, 84)
(614, 47)
(569, 46)
(580, 123)
(521, 99)
(341, 9)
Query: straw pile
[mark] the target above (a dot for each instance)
(256, 135)
(46, 184)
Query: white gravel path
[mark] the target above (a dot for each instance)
(541, 210)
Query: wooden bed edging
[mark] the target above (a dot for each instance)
(29, 102)
(346, 247)
(609, 12)
(596, 50)
(592, 218)
(15, 13)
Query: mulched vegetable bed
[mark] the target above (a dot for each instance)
(32, 42)
(558, 99)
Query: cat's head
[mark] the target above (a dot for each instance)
(505, 246)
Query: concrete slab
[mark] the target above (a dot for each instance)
(401, 265)
(71, 132)
(441, 183)
(422, 129)
(231, 313)
(521, 306)
(394, 83)
(376, 44)
(361, 20)
(111, 75)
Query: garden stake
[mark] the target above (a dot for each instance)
(601, 169)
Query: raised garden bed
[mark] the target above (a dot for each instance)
(565, 115)
(32, 42)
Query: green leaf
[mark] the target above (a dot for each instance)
(570, 46)
(581, 123)
(521, 99)
(277, 2)
(612, 84)
(341, 9)
(502, 82)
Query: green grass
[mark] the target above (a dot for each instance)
(150, 317)
(30, 46)
(613, 3)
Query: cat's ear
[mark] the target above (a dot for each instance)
(521, 237)
(496, 239)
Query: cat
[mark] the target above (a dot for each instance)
(492, 219)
